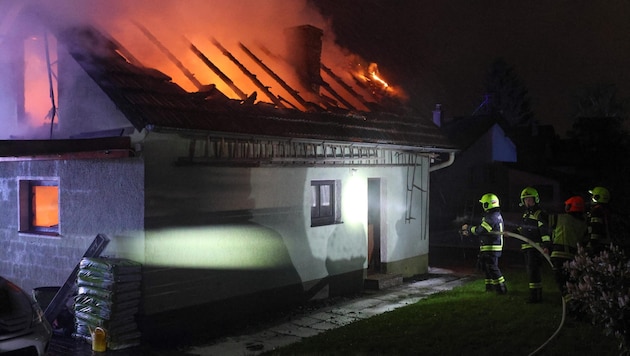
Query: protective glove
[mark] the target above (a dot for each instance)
(465, 230)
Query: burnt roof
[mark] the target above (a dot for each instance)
(149, 99)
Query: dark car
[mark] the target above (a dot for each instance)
(23, 327)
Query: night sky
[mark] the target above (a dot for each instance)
(439, 51)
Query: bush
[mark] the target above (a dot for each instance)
(599, 288)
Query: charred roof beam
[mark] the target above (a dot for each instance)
(218, 72)
(345, 86)
(294, 93)
(170, 56)
(249, 74)
(332, 92)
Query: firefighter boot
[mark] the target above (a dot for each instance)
(535, 295)
(501, 288)
(490, 288)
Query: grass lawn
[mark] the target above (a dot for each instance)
(466, 321)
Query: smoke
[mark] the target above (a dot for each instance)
(170, 21)
(175, 24)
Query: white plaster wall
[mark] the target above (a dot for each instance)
(408, 216)
(229, 231)
(312, 249)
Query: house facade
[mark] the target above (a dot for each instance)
(232, 207)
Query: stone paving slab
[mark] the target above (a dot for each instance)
(305, 321)
(361, 304)
(324, 326)
(342, 320)
(292, 329)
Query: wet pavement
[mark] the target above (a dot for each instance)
(293, 327)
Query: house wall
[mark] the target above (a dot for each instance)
(216, 232)
(503, 149)
(83, 106)
(95, 197)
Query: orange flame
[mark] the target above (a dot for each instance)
(370, 77)
(373, 72)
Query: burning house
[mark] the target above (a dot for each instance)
(264, 179)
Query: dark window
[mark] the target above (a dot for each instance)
(39, 206)
(323, 202)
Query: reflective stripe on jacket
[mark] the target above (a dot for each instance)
(535, 226)
(598, 224)
(570, 230)
(492, 221)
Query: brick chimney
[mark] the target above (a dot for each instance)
(304, 52)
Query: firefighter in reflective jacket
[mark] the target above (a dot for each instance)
(491, 245)
(534, 226)
(599, 220)
(568, 232)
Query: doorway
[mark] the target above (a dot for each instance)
(374, 226)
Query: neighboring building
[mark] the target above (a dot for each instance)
(488, 162)
(233, 206)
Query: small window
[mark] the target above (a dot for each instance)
(39, 207)
(324, 203)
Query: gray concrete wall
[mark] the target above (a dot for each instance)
(95, 196)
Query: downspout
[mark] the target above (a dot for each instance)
(451, 159)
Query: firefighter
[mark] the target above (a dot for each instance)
(598, 220)
(534, 226)
(491, 245)
(568, 232)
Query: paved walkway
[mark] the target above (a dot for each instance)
(371, 303)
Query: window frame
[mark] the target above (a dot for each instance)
(26, 187)
(329, 211)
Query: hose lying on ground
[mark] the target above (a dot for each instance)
(535, 245)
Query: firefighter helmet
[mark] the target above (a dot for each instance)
(600, 195)
(530, 192)
(575, 204)
(489, 201)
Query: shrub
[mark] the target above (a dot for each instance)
(599, 287)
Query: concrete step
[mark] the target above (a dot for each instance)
(380, 281)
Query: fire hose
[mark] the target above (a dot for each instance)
(535, 245)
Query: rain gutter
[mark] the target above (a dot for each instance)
(451, 159)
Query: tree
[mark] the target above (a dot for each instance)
(506, 95)
(603, 141)
(600, 101)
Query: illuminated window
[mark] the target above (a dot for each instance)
(39, 206)
(325, 203)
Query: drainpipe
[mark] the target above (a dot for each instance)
(451, 159)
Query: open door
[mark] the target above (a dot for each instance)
(374, 225)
